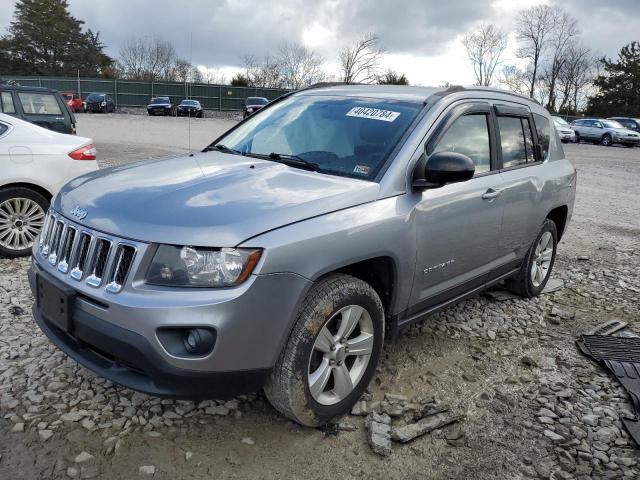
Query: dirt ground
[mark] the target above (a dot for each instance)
(531, 406)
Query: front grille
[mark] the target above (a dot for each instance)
(84, 255)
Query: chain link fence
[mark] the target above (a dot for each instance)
(137, 93)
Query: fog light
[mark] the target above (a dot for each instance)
(197, 341)
(187, 342)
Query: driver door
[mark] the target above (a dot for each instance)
(458, 225)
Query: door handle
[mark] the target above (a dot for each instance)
(491, 194)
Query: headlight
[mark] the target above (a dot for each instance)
(103, 103)
(249, 110)
(201, 267)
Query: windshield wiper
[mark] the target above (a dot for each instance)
(223, 148)
(293, 161)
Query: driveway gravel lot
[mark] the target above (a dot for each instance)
(527, 404)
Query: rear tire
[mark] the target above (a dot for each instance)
(538, 263)
(22, 212)
(320, 353)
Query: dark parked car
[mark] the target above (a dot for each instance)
(252, 105)
(628, 123)
(40, 106)
(100, 102)
(161, 106)
(190, 108)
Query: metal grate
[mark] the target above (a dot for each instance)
(65, 250)
(99, 264)
(84, 255)
(121, 266)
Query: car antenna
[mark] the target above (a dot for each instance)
(188, 89)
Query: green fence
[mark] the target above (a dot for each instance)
(135, 93)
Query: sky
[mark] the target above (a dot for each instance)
(421, 38)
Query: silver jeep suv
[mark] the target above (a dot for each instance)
(282, 255)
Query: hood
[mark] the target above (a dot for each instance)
(206, 199)
(624, 131)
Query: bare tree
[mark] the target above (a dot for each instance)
(360, 61)
(485, 47)
(563, 36)
(534, 29)
(299, 66)
(133, 58)
(515, 79)
(153, 60)
(265, 73)
(576, 74)
(212, 76)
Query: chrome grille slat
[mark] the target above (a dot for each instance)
(99, 258)
(121, 266)
(84, 255)
(56, 237)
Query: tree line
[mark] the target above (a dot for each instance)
(552, 63)
(555, 67)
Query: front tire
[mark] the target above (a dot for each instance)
(606, 140)
(332, 351)
(538, 263)
(577, 139)
(22, 213)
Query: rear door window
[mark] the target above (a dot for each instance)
(36, 103)
(516, 141)
(543, 129)
(6, 101)
(469, 135)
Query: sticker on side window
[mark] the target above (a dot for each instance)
(373, 114)
(361, 169)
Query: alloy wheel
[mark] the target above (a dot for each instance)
(542, 259)
(340, 355)
(21, 220)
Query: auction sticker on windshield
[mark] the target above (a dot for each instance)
(373, 114)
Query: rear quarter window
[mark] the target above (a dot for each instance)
(36, 103)
(6, 102)
(543, 129)
(3, 129)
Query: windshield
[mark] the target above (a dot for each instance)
(257, 101)
(347, 136)
(560, 122)
(611, 124)
(160, 100)
(95, 97)
(67, 96)
(190, 103)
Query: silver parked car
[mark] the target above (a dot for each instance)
(565, 132)
(282, 255)
(604, 132)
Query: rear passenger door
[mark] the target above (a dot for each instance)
(45, 109)
(520, 159)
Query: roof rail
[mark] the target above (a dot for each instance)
(459, 88)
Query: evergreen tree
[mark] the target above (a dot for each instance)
(619, 87)
(45, 39)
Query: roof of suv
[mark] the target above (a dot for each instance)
(403, 92)
(25, 87)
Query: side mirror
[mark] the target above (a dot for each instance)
(445, 167)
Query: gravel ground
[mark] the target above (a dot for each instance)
(527, 404)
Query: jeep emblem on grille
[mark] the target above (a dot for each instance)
(78, 212)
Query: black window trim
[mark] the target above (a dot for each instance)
(501, 110)
(453, 114)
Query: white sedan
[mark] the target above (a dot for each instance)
(34, 164)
